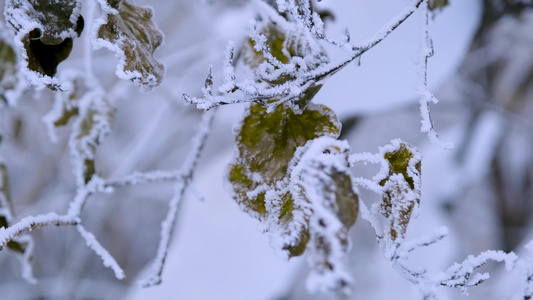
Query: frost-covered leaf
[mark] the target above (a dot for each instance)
(400, 177)
(437, 4)
(5, 200)
(279, 54)
(266, 144)
(90, 128)
(8, 67)
(6, 214)
(44, 33)
(66, 102)
(129, 31)
(321, 179)
(275, 40)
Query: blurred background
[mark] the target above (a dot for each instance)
(482, 72)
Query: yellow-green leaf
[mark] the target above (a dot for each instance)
(266, 144)
(284, 46)
(93, 124)
(402, 185)
(8, 65)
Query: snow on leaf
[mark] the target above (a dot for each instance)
(90, 128)
(129, 31)
(22, 244)
(400, 177)
(44, 33)
(66, 102)
(279, 52)
(266, 144)
(8, 67)
(5, 199)
(321, 178)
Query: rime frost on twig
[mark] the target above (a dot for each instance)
(25, 258)
(107, 259)
(137, 178)
(526, 267)
(185, 177)
(29, 223)
(276, 82)
(459, 275)
(426, 51)
(424, 241)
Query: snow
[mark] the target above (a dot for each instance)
(218, 251)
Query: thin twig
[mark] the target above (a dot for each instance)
(167, 226)
(30, 223)
(292, 89)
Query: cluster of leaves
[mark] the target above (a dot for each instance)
(41, 37)
(290, 171)
(45, 32)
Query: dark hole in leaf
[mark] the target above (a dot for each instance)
(80, 23)
(44, 58)
(3, 222)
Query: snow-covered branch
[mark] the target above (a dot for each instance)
(186, 175)
(30, 223)
(426, 97)
(299, 74)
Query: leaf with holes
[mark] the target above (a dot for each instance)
(44, 34)
(130, 32)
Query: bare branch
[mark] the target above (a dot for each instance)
(167, 226)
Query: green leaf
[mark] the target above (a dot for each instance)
(402, 186)
(266, 144)
(437, 4)
(67, 102)
(129, 31)
(6, 209)
(89, 130)
(46, 30)
(5, 197)
(267, 141)
(275, 40)
(284, 46)
(8, 68)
